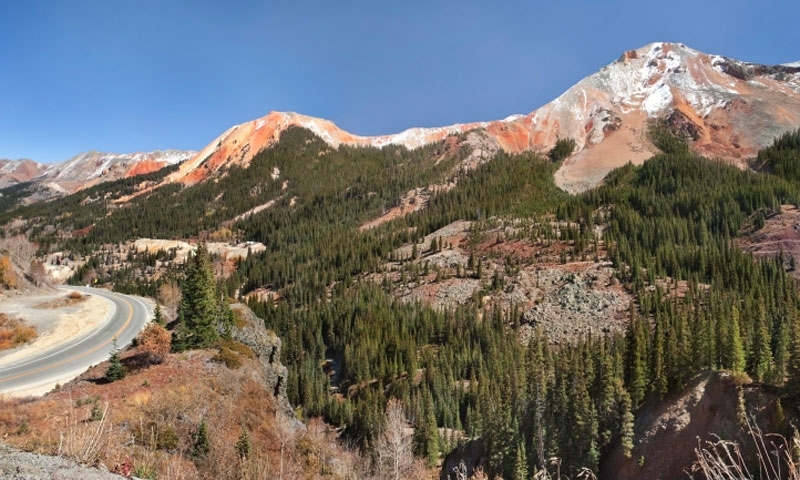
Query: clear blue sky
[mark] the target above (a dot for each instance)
(124, 76)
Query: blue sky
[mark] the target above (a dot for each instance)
(145, 75)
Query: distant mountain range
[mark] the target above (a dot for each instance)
(726, 108)
(85, 170)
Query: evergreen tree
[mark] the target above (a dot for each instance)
(760, 353)
(520, 463)
(201, 445)
(736, 346)
(426, 433)
(158, 316)
(637, 359)
(243, 445)
(626, 424)
(115, 371)
(793, 368)
(198, 312)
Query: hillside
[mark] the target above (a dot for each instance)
(145, 424)
(502, 282)
(454, 291)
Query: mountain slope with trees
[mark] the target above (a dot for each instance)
(352, 347)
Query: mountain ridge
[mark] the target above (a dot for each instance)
(85, 170)
(726, 108)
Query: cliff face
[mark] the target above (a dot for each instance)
(667, 433)
(267, 347)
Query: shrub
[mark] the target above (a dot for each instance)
(7, 277)
(237, 347)
(201, 445)
(14, 332)
(155, 436)
(229, 358)
(232, 352)
(153, 343)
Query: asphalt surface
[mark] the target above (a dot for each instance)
(72, 357)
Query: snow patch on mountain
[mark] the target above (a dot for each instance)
(658, 100)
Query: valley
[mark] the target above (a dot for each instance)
(603, 281)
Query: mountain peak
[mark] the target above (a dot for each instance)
(724, 107)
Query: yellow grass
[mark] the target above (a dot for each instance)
(14, 332)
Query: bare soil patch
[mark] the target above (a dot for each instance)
(71, 298)
(780, 235)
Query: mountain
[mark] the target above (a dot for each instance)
(84, 170)
(726, 108)
(13, 172)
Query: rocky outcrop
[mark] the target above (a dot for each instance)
(251, 331)
(464, 460)
(667, 432)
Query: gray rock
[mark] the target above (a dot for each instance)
(18, 465)
(267, 347)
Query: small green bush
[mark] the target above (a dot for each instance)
(156, 436)
(229, 358)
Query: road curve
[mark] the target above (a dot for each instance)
(40, 372)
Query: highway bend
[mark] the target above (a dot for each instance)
(61, 363)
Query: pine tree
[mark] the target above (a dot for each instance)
(626, 419)
(761, 355)
(158, 316)
(637, 359)
(201, 445)
(115, 371)
(583, 448)
(243, 445)
(737, 347)
(793, 368)
(426, 434)
(520, 463)
(659, 363)
(198, 312)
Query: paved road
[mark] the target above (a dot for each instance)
(71, 358)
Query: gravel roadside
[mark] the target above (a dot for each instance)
(18, 465)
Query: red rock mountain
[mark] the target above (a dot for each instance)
(728, 108)
(86, 169)
(18, 171)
